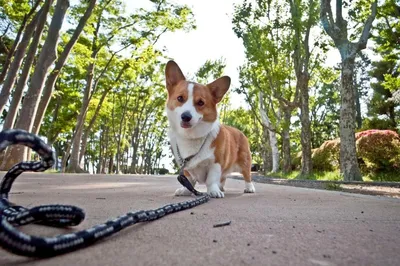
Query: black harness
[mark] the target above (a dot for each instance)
(12, 216)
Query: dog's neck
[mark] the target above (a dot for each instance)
(191, 144)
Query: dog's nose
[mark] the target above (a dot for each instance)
(186, 116)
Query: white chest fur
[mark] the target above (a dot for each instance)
(199, 165)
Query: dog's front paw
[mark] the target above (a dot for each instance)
(182, 192)
(249, 188)
(215, 192)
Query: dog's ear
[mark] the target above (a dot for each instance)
(173, 74)
(219, 87)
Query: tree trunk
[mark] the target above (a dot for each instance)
(118, 159)
(74, 166)
(266, 151)
(51, 81)
(18, 58)
(46, 58)
(90, 126)
(273, 141)
(111, 164)
(98, 171)
(90, 87)
(121, 133)
(97, 111)
(106, 141)
(138, 132)
(348, 156)
(337, 30)
(126, 161)
(287, 163)
(306, 162)
(66, 157)
(26, 70)
(134, 149)
(51, 135)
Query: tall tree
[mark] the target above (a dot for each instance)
(265, 111)
(139, 30)
(26, 70)
(99, 41)
(301, 55)
(386, 70)
(337, 29)
(52, 79)
(46, 58)
(12, 73)
(267, 37)
(16, 9)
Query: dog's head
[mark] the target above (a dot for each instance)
(192, 107)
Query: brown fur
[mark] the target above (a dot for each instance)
(232, 147)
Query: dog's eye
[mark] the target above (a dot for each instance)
(200, 103)
(180, 99)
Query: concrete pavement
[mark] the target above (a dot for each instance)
(278, 225)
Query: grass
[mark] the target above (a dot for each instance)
(335, 176)
(383, 177)
(327, 176)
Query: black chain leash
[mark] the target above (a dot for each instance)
(11, 216)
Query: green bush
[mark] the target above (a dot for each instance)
(379, 151)
(162, 171)
(296, 161)
(326, 157)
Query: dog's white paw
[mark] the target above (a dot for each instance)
(182, 192)
(249, 188)
(215, 192)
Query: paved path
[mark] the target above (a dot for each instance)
(276, 226)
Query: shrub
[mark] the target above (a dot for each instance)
(326, 157)
(296, 161)
(379, 150)
(163, 171)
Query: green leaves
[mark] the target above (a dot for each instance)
(385, 71)
(14, 10)
(210, 71)
(127, 98)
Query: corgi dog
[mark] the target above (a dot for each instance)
(194, 129)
